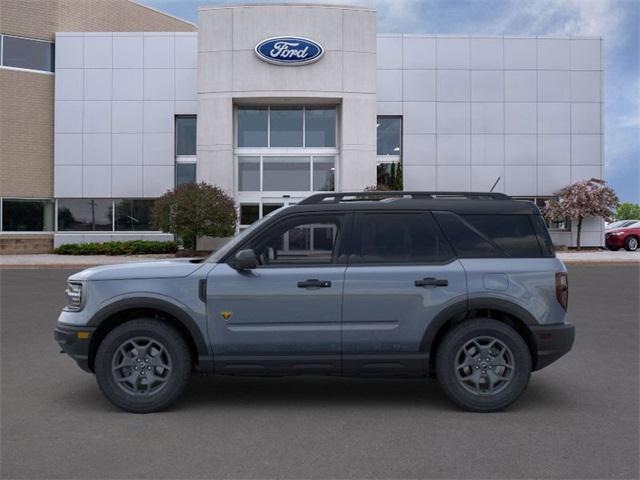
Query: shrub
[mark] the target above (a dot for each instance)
(132, 247)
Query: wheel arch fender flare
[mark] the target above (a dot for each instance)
(177, 311)
(460, 309)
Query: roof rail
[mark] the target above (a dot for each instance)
(336, 197)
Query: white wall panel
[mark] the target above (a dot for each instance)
(520, 53)
(552, 178)
(454, 149)
(126, 149)
(67, 181)
(127, 117)
(96, 149)
(96, 181)
(454, 177)
(389, 85)
(554, 149)
(487, 53)
(419, 117)
(419, 177)
(586, 150)
(419, 85)
(419, 149)
(554, 86)
(68, 149)
(98, 51)
(521, 85)
(554, 118)
(68, 84)
(158, 51)
(585, 86)
(69, 50)
(483, 178)
(158, 149)
(419, 52)
(554, 54)
(454, 117)
(487, 85)
(487, 117)
(389, 52)
(453, 52)
(158, 117)
(68, 116)
(126, 181)
(585, 118)
(487, 149)
(97, 84)
(454, 85)
(128, 84)
(586, 54)
(96, 116)
(158, 84)
(520, 149)
(520, 118)
(127, 51)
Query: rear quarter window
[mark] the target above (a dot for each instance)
(491, 236)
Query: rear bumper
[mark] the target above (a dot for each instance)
(553, 341)
(73, 344)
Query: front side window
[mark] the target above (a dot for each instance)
(400, 238)
(26, 53)
(302, 241)
(27, 215)
(85, 215)
(133, 215)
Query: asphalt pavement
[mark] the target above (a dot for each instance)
(578, 418)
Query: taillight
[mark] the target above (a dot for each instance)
(562, 289)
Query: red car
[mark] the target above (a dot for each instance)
(627, 237)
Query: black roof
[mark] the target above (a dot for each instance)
(457, 202)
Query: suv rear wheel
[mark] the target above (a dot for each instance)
(483, 365)
(143, 366)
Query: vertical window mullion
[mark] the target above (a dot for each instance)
(304, 127)
(1, 49)
(113, 215)
(261, 173)
(311, 189)
(268, 128)
(1, 221)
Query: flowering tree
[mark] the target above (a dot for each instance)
(194, 210)
(586, 198)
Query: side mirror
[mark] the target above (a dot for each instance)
(245, 260)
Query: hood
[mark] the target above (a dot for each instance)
(140, 270)
(616, 230)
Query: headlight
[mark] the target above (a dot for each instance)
(74, 297)
(616, 233)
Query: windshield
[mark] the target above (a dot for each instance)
(621, 224)
(216, 255)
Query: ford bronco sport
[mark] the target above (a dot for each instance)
(463, 286)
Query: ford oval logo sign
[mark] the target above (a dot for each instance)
(289, 50)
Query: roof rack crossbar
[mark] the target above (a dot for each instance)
(335, 197)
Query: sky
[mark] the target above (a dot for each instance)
(617, 21)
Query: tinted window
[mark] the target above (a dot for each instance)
(300, 241)
(25, 53)
(185, 173)
(323, 174)
(134, 215)
(467, 241)
(27, 215)
(401, 238)
(320, 127)
(84, 215)
(512, 233)
(186, 135)
(248, 174)
(548, 250)
(389, 133)
(286, 127)
(253, 127)
(286, 173)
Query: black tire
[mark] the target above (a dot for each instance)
(160, 337)
(449, 353)
(631, 243)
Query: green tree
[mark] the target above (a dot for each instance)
(628, 211)
(195, 210)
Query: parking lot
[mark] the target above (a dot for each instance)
(578, 418)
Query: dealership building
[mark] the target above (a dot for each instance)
(120, 103)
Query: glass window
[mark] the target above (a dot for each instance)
(563, 225)
(466, 240)
(324, 174)
(401, 238)
(267, 208)
(133, 215)
(84, 215)
(389, 174)
(252, 126)
(249, 213)
(320, 127)
(26, 53)
(299, 241)
(249, 174)
(544, 239)
(26, 215)
(286, 127)
(186, 135)
(512, 233)
(185, 173)
(389, 132)
(286, 173)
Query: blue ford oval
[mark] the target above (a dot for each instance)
(289, 50)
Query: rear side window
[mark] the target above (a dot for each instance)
(514, 234)
(491, 235)
(400, 238)
(546, 245)
(467, 241)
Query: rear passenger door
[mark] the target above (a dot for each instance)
(401, 274)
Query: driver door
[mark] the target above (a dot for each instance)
(285, 315)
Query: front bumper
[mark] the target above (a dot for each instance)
(74, 341)
(614, 241)
(553, 341)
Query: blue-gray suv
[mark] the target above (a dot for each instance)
(463, 286)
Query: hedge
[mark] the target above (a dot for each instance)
(132, 247)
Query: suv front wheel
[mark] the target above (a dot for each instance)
(483, 365)
(143, 365)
